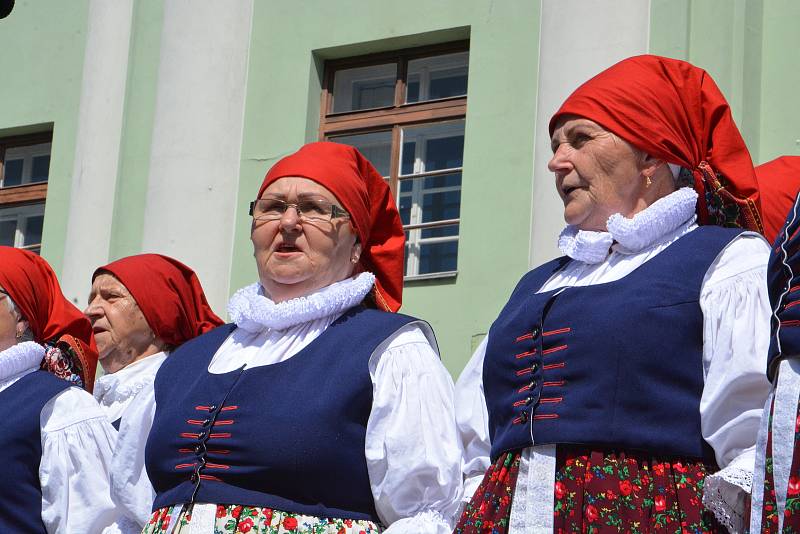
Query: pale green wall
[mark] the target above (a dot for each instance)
(42, 46)
(751, 48)
(289, 42)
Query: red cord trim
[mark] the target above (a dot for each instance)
(559, 331)
(523, 372)
(553, 366)
(518, 403)
(517, 421)
(189, 435)
(551, 400)
(195, 421)
(554, 349)
(223, 422)
(792, 304)
(523, 337)
(546, 416)
(220, 435)
(184, 466)
(793, 289)
(525, 354)
(523, 389)
(203, 408)
(217, 466)
(228, 408)
(218, 451)
(186, 450)
(210, 477)
(793, 322)
(553, 384)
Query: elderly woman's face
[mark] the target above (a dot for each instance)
(8, 323)
(120, 329)
(597, 173)
(294, 257)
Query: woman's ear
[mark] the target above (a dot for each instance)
(22, 327)
(355, 254)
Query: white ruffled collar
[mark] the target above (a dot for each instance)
(630, 236)
(128, 381)
(254, 312)
(20, 357)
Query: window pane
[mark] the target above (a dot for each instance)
(438, 257)
(436, 77)
(440, 206)
(41, 168)
(440, 231)
(376, 147)
(33, 230)
(364, 87)
(430, 199)
(8, 230)
(12, 172)
(404, 206)
(432, 147)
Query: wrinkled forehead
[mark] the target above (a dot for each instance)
(567, 122)
(105, 280)
(296, 187)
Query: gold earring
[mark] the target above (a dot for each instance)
(648, 181)
(354, 259)
(19, 334)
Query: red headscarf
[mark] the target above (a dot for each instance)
(674, 111)
(168, 293)
(779, 181)
(34, 288)
(364, 194)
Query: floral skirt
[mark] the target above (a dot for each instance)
(234, 519)
(791, 514)
(599, 492)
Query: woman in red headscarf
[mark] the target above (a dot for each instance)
(620, 388)
(141, 308)
(56, 443)
(320, 409)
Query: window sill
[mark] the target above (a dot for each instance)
(430, 276)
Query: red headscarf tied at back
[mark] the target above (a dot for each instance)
(33, 286)
(168, 293)
(674, 111)
(779, 181)
(364, 194)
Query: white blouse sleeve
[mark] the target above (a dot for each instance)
(412, 451)
(131, 490)
(736, 315)
(77, 444)
(472, 418)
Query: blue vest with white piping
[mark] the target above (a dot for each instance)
(616, 365)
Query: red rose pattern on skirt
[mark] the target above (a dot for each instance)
(769, 509)
(601, 492)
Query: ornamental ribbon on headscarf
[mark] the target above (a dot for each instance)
(34, 288)
(363, 192)
(674, 111)
(169, 295)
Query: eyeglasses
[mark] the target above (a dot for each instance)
(308, 210)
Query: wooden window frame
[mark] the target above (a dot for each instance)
(393, 118)
(24, 193)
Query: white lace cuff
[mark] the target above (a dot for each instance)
(425, 522)
(725, 494)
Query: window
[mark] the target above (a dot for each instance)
(405, 111)
(24, 171)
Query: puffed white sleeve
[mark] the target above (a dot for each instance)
(472, 418)
(736, 313)
(77, 445)
(412, 451)
(131, 489)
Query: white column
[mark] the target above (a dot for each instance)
(197, 135)
(97, 145)
(578, 39)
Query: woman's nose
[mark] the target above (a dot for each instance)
(290, 218)
(559, 161)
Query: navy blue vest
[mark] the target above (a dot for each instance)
(21, 450)
(288, 436)
(615, 365)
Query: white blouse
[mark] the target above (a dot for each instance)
(115, 392)
(735, 308)
(412, 407)
(77, 444)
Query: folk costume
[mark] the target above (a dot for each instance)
(318, 414)
(620, 388)
(779, 183)
(57, 444)
(175, 307)
(776, 485)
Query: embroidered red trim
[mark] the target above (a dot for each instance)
(793, 322)
(553, 349)
(517, 421)
(210, 477)
(551, 400)
(189, 451)
(218, 451)
(553, 366)
(228, 408)
(792, 304)
(184, 466)
(195, 421)
(546, 416)
(553, 384)
(558, 331)
(523, 389)
(793, 289)
(189, 435)
(223, 422)
(220, 435)
(525, 354)
(523, 372)
(523, 337)
(518, 403)
(203, 408)
(209, 465)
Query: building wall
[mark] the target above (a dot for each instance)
(208, 101)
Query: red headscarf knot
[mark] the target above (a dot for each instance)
(363, 192)
(168, 293)
(674, 111)
(33, 286)
(779, 182)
